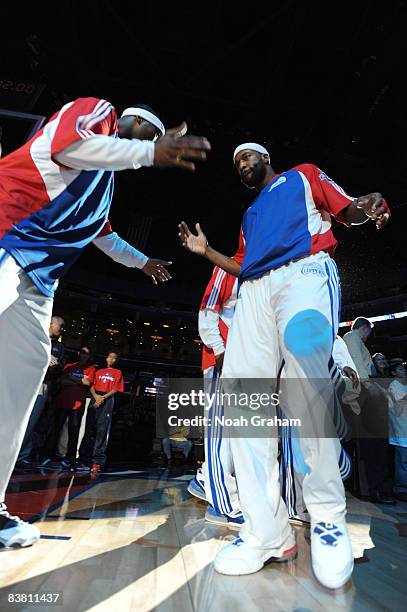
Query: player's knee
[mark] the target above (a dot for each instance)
(308, 332)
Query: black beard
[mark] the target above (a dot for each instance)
(257, 177)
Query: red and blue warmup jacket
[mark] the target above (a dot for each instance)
(291, 219)
(49, 213)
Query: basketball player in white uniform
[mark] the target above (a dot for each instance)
(288, 305)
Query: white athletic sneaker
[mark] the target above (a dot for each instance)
(14, 531)
(238, 558)
(331, 554)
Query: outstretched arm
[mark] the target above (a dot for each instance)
(100, 152)
(198, 244)
(122, 252)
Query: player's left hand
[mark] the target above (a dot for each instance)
(156, 270)
(375, 207)
(194, 243)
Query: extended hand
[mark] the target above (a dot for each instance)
(195, 244)
(173, 149)
(375, 207)
(155, 269)
(350, 373)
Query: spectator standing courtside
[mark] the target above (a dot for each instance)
(107, 382)
(370, 429)
(76, 381)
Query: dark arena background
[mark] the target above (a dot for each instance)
(313, 82)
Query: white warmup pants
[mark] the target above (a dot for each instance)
(218, 471)
(292, 466)
(290, 313)
(25, 316)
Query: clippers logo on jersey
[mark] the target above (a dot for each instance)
(49, 213)
(312, 269)
(292, 222)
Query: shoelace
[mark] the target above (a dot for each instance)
(4, 512)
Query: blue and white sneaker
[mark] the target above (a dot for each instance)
(196, 489)
(14, 531)
(212, 516)
(331, 554)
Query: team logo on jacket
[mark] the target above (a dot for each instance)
(325, 177)
(281, 180)
(314, 268)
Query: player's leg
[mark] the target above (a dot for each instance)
(197, 485)
(25, 316)
(104, 415)
(306, 302)
(292, 471)
(220, 482)
(292, 466)
(215, 481)
(251, 365)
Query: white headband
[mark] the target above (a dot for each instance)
(144, 114)
(253, 146)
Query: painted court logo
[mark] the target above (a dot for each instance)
(314, 268)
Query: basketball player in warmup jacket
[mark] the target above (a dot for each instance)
(288, 306)
(55, 196)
